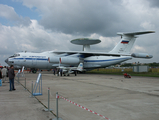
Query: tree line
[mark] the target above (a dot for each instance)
(154, 64)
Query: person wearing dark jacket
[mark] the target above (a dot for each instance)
(0, 74)
(11, 75)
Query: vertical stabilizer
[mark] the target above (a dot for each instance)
(127, 42)
(80, 67)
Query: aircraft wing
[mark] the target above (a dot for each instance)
(90, 53)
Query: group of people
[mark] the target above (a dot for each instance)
(57, 71)
(10, 73)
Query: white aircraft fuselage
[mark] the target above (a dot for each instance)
(41, 60)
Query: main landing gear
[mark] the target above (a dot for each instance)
(33, 70)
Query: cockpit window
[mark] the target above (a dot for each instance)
(15, 55)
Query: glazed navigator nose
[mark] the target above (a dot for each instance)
(6, 60)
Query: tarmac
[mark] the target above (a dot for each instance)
(112, 96)
(19, 105)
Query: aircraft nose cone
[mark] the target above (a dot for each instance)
(6, 60)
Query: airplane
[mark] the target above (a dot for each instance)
(68, 70)
(91, 60)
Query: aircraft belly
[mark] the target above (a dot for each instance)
(41, 64)
(92, 63)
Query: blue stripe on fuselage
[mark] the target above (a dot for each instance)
(31, 59)
(106, 60)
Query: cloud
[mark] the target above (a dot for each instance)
(154, 3)
(80, 17)
(85, 17)
(30, 38)
(9, 13)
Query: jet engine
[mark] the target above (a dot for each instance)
(141, 55)
(64, 60)
(69, 60)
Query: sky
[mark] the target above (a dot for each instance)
(38, 25)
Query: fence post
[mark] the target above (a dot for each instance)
(25, 83)
(31, 89)
(57, 118)
(18, 78)
(57, 104)
(48, 101)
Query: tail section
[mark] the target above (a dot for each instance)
(127, 42)
(80, 67)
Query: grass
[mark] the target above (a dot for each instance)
(154, 72)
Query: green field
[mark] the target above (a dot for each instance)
(153, 72)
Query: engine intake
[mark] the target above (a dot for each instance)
(53, 59)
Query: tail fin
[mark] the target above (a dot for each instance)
(80, 67)
(127, 42)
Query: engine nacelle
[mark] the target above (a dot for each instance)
(141, 55)
(69, 60)
(64, 60)
(54, 59)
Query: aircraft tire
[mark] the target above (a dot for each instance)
(34, 71)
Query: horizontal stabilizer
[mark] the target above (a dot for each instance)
(135, 33)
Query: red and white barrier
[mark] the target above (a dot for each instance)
(57, 96)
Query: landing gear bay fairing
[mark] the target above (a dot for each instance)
(89, 60)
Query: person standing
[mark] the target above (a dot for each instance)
(4, 73)
(61, 72)
(0, 78)
(54, 71)
(11, 76)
